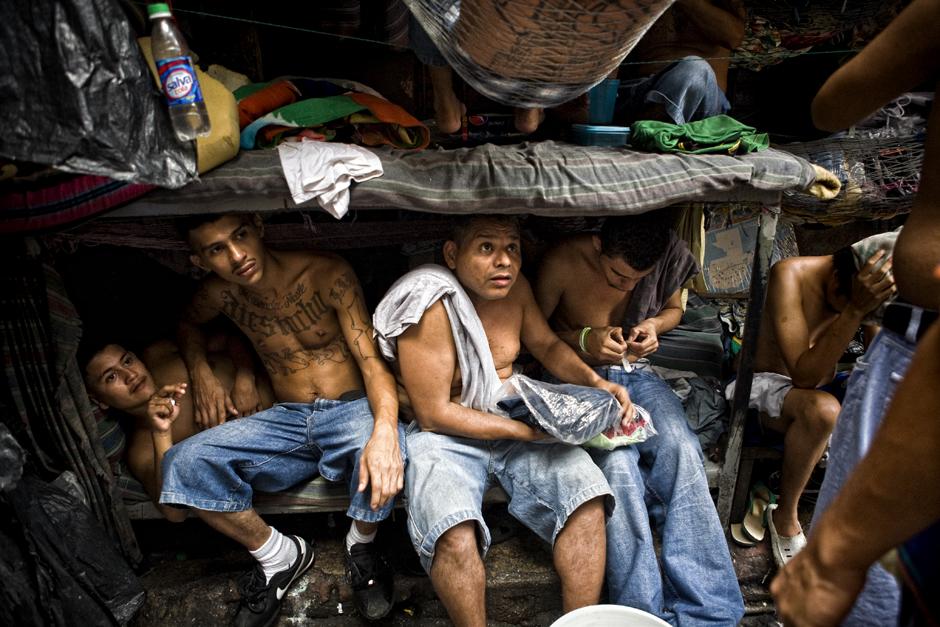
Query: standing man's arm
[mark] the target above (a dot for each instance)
(871, 514)
(807, 365)
(559, 358)
(380, 463)
(427, 358)
(211, 401)
(904, 55)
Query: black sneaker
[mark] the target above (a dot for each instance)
(261, 601)
(371, 579)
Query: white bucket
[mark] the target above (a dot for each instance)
(609, 616)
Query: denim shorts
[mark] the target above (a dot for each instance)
(447, 477)
(219, 469)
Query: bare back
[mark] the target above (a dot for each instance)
(294, 324)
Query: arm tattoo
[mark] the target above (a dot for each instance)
(348, 294)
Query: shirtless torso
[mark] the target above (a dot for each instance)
(575, 289)
(797, 308)
(303, 312)
(487, 265)
(807, 324)
(166, 367)
(294, 323)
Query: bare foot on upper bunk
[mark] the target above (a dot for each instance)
(448, 110)
(527, 120)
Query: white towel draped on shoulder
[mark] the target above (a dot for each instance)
(405, 304)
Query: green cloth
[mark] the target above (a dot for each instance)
(717, 134)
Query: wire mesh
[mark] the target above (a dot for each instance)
(880, 177)
(535, 53)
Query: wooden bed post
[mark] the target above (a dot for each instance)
(727, 481)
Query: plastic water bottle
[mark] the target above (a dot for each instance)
(177, 75)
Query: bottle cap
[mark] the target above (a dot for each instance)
(159, 9)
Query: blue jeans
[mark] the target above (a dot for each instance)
(423, 46)
(687, 90)
(219, 468)
(869, 392)
(447, 477)
(660, 484)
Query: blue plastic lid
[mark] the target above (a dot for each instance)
(600, 130)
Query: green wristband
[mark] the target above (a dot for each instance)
(582, 338)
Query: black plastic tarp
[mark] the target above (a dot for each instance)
(76, 93)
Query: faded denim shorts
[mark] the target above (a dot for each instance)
(447, 477)
(219, 468)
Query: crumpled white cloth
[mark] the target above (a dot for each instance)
(324, 170)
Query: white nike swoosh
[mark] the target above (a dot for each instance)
(300, 559)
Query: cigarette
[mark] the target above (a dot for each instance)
(172, 402)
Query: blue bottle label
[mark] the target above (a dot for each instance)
(178, 78)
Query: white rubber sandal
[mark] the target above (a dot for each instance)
(784, 548)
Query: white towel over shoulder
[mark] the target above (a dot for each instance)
(405, 304)
(324, 171)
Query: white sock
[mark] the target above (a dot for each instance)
(276, 554)
(356, 537)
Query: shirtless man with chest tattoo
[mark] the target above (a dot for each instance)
(337, 414)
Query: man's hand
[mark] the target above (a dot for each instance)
(245, 395)
(164, 407)
(381, 465)
(873, 284)
(806, 594)
(623, 397)
(212, 403)
(606, 344)
(642, 340)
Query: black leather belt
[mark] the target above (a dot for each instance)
(898, 318)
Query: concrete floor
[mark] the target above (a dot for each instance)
(191, 573)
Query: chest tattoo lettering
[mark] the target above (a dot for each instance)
(307, 313)
(274, 303)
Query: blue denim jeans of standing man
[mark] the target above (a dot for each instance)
(219, 468)
(687, 90)
(869, 392)
(660, 485)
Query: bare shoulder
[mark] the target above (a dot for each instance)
(788, 270)
(521, 292)
(563, 259)
(787, 277)
(206, 303)
(433, 329)
(210, 290)
(322, 268)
